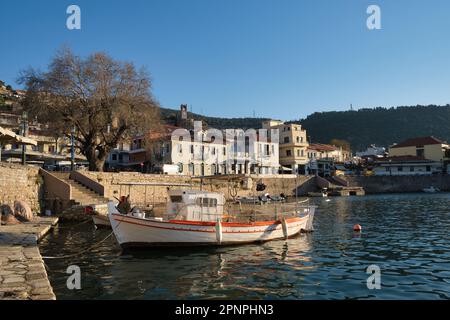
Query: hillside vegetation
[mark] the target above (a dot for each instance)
(380, 126)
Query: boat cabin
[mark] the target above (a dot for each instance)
(195, 205)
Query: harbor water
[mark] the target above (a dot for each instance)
(405, 235)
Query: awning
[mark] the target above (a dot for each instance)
(34, 154)
(8, 136)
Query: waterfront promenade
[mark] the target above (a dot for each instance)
(22, 270)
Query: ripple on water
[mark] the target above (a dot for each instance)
(405, 235)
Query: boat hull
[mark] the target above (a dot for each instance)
(101, 221)
(131, 231)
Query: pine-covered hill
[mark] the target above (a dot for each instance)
(169, 115)
(380, 126)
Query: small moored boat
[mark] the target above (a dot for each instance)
(323, 193)
(431, 189)
(197, 218)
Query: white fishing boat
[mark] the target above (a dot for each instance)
(431, 189)
(198, 218)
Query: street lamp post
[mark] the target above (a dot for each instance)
(72, 149)
(24, 133)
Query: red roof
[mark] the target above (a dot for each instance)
(164, 133)
(421, 141)
(322, 147)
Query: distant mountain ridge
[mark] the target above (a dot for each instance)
(380, 126)
(169, 115)
(363, 127)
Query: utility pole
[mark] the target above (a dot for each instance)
(24, 133)
(72, 149)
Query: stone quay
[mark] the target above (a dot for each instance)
(22, 270)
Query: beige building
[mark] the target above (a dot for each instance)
(429, 148)
(323, 157)
(293, 144)
(318, 151)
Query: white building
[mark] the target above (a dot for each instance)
(208, 152)
(406, 166)
(372, 151)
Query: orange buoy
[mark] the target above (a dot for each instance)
(357, 228)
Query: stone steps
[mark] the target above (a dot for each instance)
(81, 195)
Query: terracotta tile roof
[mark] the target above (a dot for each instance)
(421, 141)
(164, 133)
(322, 147)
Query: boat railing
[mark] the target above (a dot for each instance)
(272, 213)
(244, 213)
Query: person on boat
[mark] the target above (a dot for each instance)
(124, 206)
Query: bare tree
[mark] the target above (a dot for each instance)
(107, 101)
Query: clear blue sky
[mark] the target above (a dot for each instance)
(281, 59)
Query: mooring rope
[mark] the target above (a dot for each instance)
(82, 251)
(86, 250)
(76, 225)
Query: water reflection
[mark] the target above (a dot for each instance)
(406, 235)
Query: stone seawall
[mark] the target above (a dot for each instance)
(22, 270)
(398, 184)
(19, 182)
(124, 183)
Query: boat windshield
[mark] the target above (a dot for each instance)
(176, 199)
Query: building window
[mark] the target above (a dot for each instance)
(224, 151)
(138, 144)
(411, 169)
(400, 169)
(247, 144)
(114, 157)
(286, 139)
(420, 152)
(213, 150)
(288, 153)
(192, 148)
(428, 168)
(298, 139)
(267, 150)
(180, 148)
